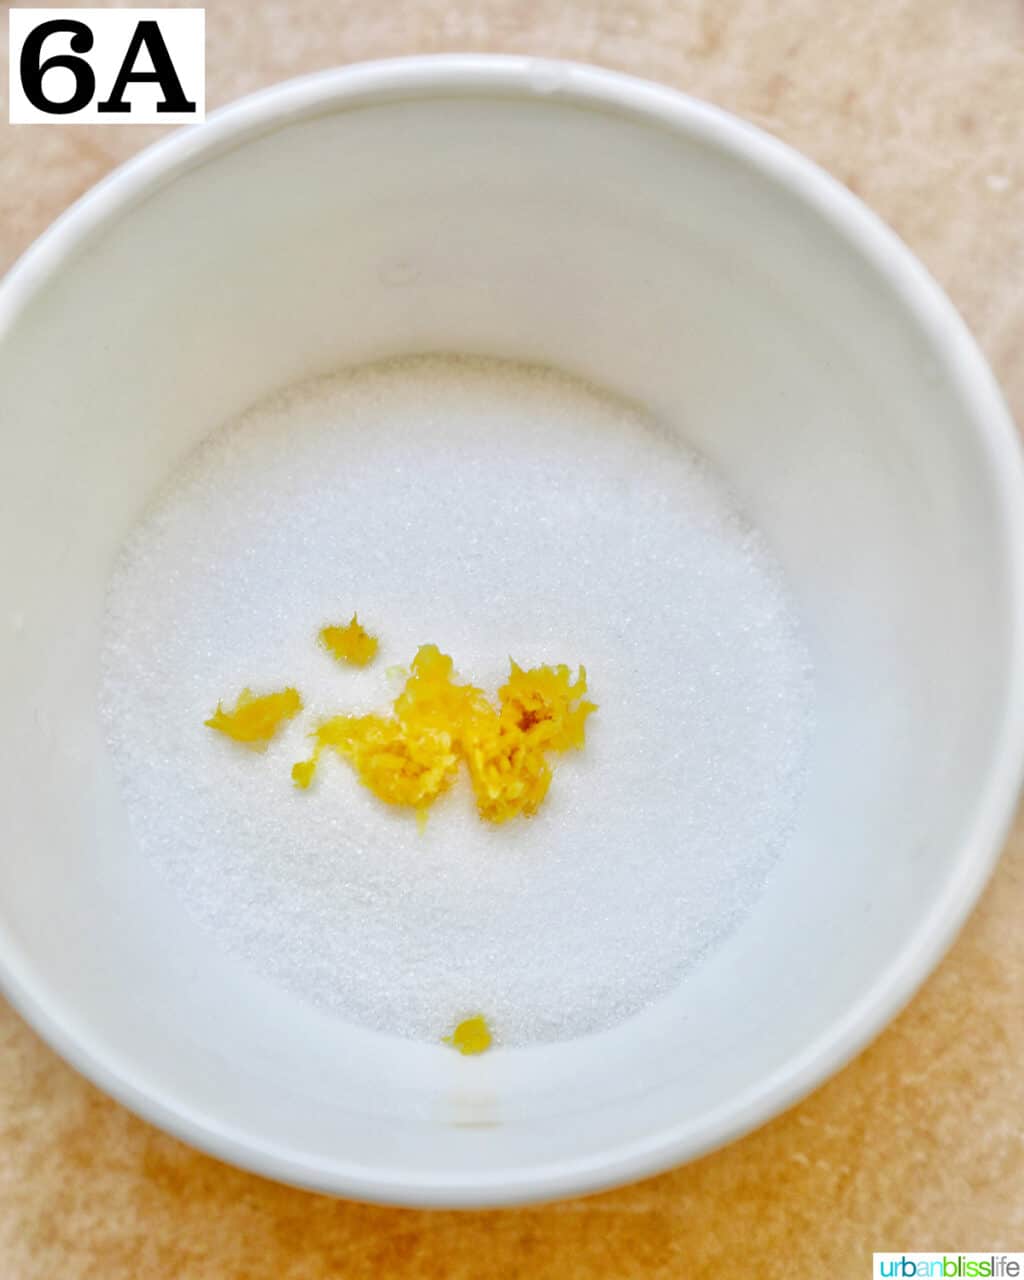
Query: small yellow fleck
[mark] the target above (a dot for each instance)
(471, 1036)
(254, 721)
(302, 773)
(352, 644)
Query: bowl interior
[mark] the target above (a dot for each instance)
(540, 223)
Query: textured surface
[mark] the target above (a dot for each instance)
(919, 1143)
(463, 916)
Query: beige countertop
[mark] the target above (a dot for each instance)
(917, 106)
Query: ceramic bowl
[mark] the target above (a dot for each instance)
(617, 230)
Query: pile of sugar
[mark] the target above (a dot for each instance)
(493, 510)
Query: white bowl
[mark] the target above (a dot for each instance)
(624, 233)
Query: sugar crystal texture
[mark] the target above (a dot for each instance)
(494, 510)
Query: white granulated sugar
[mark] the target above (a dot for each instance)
(493, 510)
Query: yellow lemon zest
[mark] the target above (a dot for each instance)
(352, 643)
(412, 757)
(255, 720)
(472, 1035)
(302, 773)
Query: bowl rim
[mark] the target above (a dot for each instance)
(609, 92)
